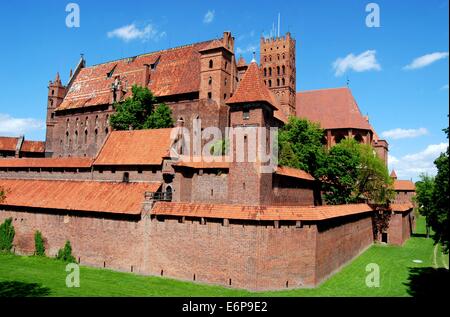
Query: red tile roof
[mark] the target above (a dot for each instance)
(33, 146)
(177, 71)
(241, 62)
(139, 147)
(332, 108)
(293, 172)
(252, 89)
(393, 174)
(405, 185)
(312, 213)
(121, 198)
(8, 143)
(203, 164)
(56, 162)
(402, 207)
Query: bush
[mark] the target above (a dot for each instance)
(65, 254)
(39, 244)
(7, 233)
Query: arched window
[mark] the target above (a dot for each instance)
(226, 64)
(226, 81)
(278, 56)
(270, 58)
(85, 136)
(76, 137)
(283, 81)
(96, 121)
(67, 124)
(210, 81)
(67, 138)
(265, 72)
(278, 81)
(168, 193)
(270, 83)
(270, 71)
(283, 56)
(95, 135)
(211, 64)
(283, 70)
(278, 70)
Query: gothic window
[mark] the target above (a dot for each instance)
(265, 72)
(278, 56)
(210, 81)
(278, 81)
(283, 81)
(270, 71)
(209, 95)
(211, 64)
(283, 56)
(283, 70)
(278, 70)
(270, 83)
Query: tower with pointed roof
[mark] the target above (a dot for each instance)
(277, 60)
(252, 106)
(56, 93)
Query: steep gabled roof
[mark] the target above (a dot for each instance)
(393, 174)
(252, 89)
(333, 108)
(176, 71)
(94, 196)
(139, 147)
(293, 172)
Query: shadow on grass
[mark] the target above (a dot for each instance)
(21, 289)
(428, 282)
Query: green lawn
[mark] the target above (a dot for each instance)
(400, 276)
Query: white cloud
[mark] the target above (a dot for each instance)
(11, 126)
(445, 87)
(399, 133)
(363, 62)
(412, 165)
(132, 32)
(209, 16)
(248, 49)
(426, 60)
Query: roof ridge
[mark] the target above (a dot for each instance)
(322, 89)
(153, 52)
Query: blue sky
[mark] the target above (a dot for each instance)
(407, 104)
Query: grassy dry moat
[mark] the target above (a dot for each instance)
(400, 275)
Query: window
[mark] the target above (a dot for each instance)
(224, 96)
(270, 83)
(278, 70)
(246, 115)
(76, 137)
(212, 192)
(210, 81)
(226, 64)
(265, 72)
(85, 136)
(283, 81)
(283, 70)
(209, 95)
(211, 64)
(226, 81)
(95, 135)
(67, 137)
(278, 81)
(126, 177)
(270, 71)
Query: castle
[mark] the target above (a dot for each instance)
(125, 202)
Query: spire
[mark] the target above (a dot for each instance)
(252, 88)
(393, 174)
(254, 58)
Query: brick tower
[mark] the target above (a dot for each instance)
(56, 94)
(250, 108)
(277, 60)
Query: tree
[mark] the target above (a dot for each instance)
(300, 143)
(39, 244)
(2, 194)
(438, 216)
(424, 197)
(7, 234)
(352, 172)
(141, 111)
(65, 254)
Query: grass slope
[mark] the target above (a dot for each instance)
(33, 276)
